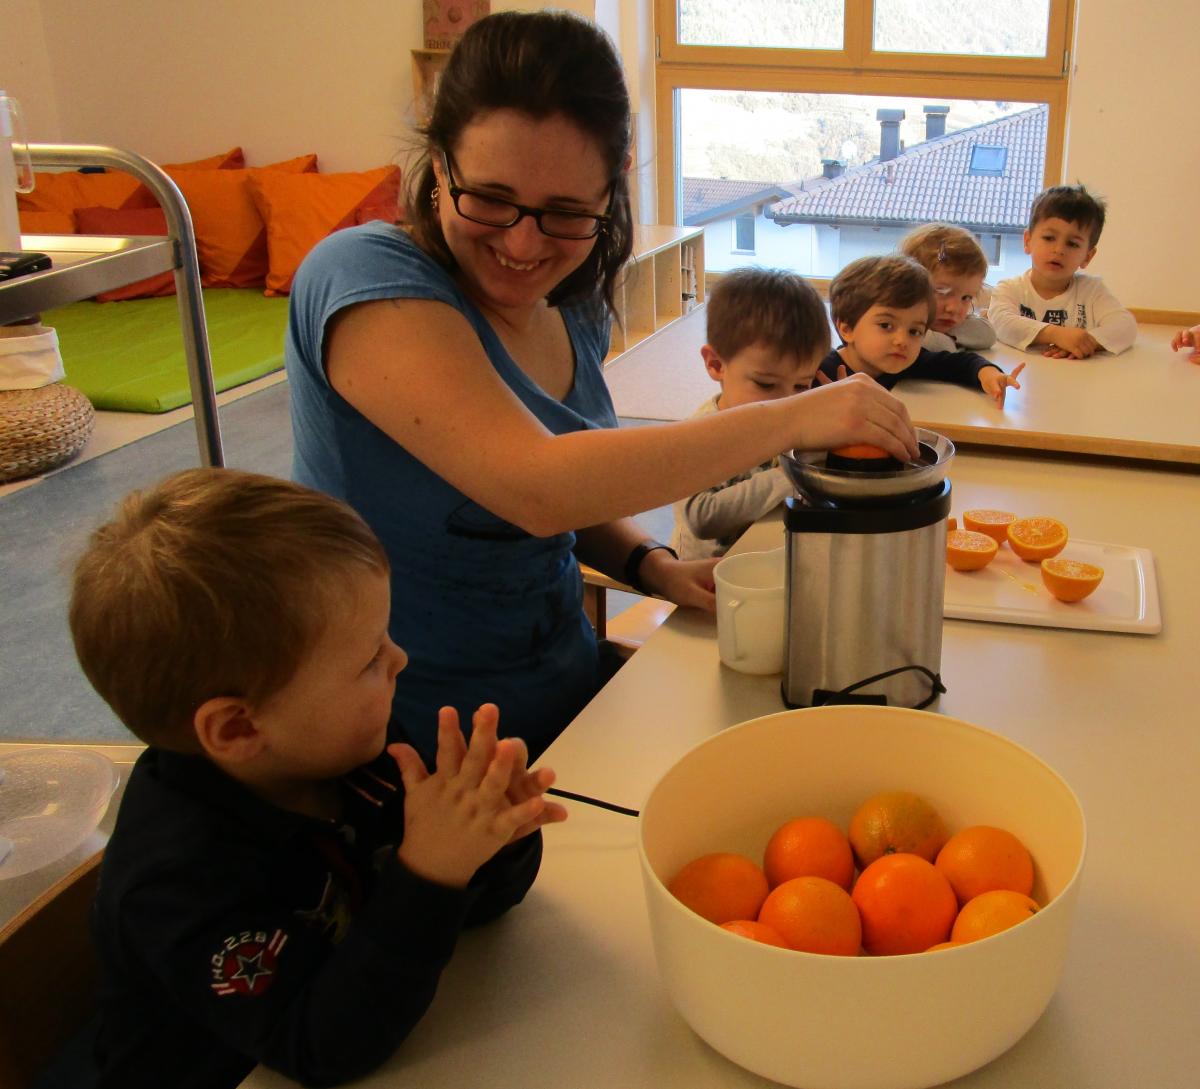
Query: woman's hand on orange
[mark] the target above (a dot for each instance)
(853, 409)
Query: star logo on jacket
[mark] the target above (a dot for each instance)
(246, 962)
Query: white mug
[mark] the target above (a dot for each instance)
(750, 610)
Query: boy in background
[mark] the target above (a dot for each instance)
(767, 330)
(1055, 305)
(881, 308)
(278, 888)
(956, 267)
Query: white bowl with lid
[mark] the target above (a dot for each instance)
(51, 799)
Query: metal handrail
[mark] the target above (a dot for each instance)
(187, 272)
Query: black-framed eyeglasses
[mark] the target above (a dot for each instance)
(496, 212)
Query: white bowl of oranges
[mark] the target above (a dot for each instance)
(880, 1008)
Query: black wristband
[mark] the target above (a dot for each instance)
(639, 553)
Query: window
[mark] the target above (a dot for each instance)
(992, 246)
(805, 95)
(988, 161)
(743, 233)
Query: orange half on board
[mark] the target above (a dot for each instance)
(1070, 580)
(967, 550)
(1035, 539)
(994, 523)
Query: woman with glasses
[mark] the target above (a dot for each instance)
(446, 382)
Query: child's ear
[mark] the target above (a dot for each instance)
(226, 730)
(712, 363)
(846, 331)
(1088, 259)
(1027, 236)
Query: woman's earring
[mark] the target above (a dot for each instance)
(435, 196)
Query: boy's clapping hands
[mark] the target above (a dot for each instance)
(480, 797)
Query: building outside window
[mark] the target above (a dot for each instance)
(870, 115)
(743, 233)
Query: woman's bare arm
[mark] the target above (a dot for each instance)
(416, 370)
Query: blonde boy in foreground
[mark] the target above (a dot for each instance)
(767, 330)
(956, 267)
(278, 888)
(1055, 305)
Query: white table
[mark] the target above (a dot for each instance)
(564, 990)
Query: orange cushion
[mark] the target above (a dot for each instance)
(46, 223)
(136, 221)
(231, 238)
(66, 192)
(301, 209)
(233, 159)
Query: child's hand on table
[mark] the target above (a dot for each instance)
(1070, 343)
(479, 798)
(1188, 338)
(995, 382)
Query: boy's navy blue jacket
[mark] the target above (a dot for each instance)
(961, 368)
(232, 932)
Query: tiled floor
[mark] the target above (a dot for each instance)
(43, 693)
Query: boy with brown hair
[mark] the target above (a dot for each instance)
(767, 330)
(278, 887)
(1055, 304)
(881, 308)
(956, 265)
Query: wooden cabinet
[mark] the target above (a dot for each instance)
(663, 281)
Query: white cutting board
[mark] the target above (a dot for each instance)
(1010, 591)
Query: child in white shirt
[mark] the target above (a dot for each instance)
(956, 265)
(1054, 304)
(767, 331)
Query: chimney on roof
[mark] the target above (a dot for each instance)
(832, 168)
(889, 133)
(935, 121)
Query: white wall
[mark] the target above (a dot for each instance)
(1134, 135)
(25, 67)
(184, 78)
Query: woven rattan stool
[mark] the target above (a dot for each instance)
(41, 428)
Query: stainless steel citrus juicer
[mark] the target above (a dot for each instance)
(866, 553)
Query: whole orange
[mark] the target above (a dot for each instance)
(755, 931)
(815, 916)
(905, 905)
(721, 887)
(896, 821)
(991, 912)
(809, 847)
(983, 858)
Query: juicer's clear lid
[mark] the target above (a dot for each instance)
(812, 477)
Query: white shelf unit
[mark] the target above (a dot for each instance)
(663, 281)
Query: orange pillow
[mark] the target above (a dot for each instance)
(64, 193)
(67, 192)
(46, 223)
(231, 238)
(233, 159)
(301, 209)
(136, 221)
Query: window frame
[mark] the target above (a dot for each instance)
(855, 69)
(741, 217)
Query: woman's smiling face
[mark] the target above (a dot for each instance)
(550, 163)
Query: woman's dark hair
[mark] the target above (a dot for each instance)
(540, 63)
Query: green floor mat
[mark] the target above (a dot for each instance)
(128, 356)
